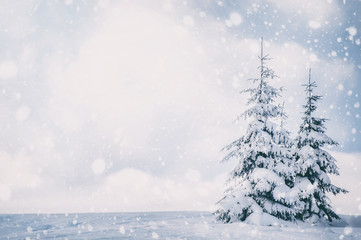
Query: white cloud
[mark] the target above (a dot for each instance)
(18, 173)
(131, 187)
(313, 57)
(188, 20)
(140, 70)
(193, 175)
(125, 190)
(8, 70)
(134, 190)
(98, 166)
(5, 192)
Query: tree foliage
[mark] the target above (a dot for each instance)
(276, 177)
(257, 183)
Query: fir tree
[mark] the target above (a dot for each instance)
(314, 164)
(258, 186)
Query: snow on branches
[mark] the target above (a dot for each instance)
(277, 177)
(313, 164)
(256, 184)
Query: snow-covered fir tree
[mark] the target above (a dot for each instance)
(313, 164)
(258, 187)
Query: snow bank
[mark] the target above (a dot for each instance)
(161, 225)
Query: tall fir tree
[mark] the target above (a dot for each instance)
(313, 164)
(258, 188)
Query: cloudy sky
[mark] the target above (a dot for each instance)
(125, 105)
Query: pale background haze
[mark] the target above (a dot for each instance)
(125, 105)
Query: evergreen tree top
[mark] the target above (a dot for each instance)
(263, 95)
(312, 129)
(310, 106)
(264, 138)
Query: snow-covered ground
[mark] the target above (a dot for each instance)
(160, 225)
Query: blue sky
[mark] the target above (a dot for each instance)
(99, 94)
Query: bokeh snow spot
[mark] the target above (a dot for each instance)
(8, 70)
(90, 228)
(340, 87)
(352, 31)
(22, 113)
(356, 105)
(202, 14)
(314, 24)
(347, 230)
(155, 235)
(98, 166)
(236, 18)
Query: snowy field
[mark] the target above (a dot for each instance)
(160, 225)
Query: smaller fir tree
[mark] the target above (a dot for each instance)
(313, 164)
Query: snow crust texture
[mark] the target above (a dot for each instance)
(162, 225)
